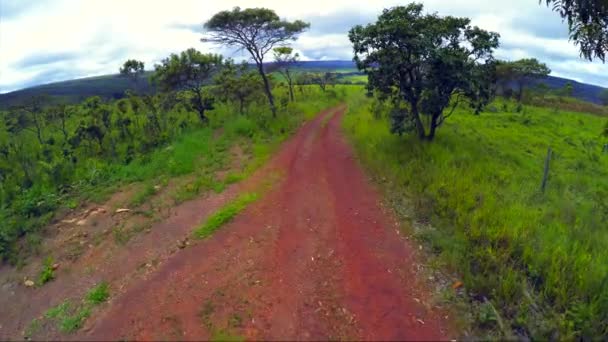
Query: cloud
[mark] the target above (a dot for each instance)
(49, 40)
(44, 58)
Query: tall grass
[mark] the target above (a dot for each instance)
(540, 257)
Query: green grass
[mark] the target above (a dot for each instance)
(98, 294)
(540, 258)
(69, 317)
(224, 215)
(47, 273)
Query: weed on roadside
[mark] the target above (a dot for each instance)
(68, 317)
(224, 215)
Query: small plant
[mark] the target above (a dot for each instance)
(232, 178)
(98, 294)
(48, 273)
(224, 215)
(68, 317)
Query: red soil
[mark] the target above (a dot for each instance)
(315, 258)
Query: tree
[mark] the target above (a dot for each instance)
(237, 83)
(520, 72)
(60, 114)
(189, 71)
(324, 79)
(285, 62)
(424, 63)
(30, 116)
(132, 69)
(567, 90)
(257, 30)
(604, 97)
(588, 24)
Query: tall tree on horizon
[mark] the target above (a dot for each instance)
(132, 69)
(257, 30)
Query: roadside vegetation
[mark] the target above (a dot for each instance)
(224, 215)
(540, 258)
(507, 178)
(69, 316)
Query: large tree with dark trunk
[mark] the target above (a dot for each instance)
(189, 71)
(257, 30)
(425, 64)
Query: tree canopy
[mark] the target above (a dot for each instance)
(236, 82)
(132, 69)
(256, 30)
(520, 72)
(424, 63)
(588, 23)
(189, 71)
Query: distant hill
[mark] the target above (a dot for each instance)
(114, 86)
(107, 86)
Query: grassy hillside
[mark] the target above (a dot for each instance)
(540, 258)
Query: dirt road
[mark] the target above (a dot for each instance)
(315, 258)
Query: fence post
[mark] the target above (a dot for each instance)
(546, 173)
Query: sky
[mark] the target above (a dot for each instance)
(43, 41)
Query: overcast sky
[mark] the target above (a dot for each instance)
(43, 41)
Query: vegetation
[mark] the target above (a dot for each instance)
(426, 72)
(539, 258)
(257, 30)
(224, 215)
(535, 256)
(47, 273)
(285, 60)
(69, 317)
(132, 69)
(52, 156)
(520, 72)
(588, 22)
(189, 71)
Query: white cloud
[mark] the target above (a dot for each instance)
(99, 35)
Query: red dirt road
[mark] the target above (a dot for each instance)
(315, 258)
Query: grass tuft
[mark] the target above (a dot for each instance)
(224, 215)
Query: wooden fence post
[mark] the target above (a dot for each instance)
(546, 173)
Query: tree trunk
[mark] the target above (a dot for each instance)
(200, 106)
(267, 89)
(291, 96)
(419, 124)
(290, 84)
(433, 127)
